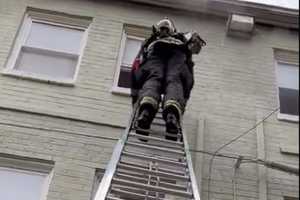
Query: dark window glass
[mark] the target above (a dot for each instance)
(124, 77)
(289, 101)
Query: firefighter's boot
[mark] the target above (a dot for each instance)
(172, 126)
(145, 117)
(172, 118)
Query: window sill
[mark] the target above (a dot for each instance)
(288, 118)
(121, 91)
(284, 149)
(40, 78)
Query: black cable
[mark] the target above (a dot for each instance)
(114, 139)
(231, 141)
(58, 130)
(232, 156)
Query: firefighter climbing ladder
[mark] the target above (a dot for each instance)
(149, 167)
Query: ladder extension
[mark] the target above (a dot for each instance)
(149, 167)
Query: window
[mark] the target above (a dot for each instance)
(21, 184)
(288, 86)
(47, 49)
(24, 178)
(132, 39)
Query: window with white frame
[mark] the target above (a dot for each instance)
(48, 49)
(23, 178)
(288, 85)
(131, 42)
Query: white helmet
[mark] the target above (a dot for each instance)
(166, 23)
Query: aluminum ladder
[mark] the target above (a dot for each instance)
(149, 167)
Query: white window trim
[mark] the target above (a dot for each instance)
(19, 44)
(31, 167)
(282, 116)
(115, 88)
(292, 118)
(287, 149)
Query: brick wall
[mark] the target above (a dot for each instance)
(235, 80)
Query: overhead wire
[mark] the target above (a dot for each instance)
(230, 142)
(230, 156)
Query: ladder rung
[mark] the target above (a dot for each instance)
(159, 168)
(159, 115)
(158, 123)
(145, 176)
(134, 196)
(129, 189)
(113, 198)
(135, 174)
(144, 181)
(154, 173)
(160, 133)
(180, 144)
(181, 153)
(155, 155)
(154, 188)
(155, 159)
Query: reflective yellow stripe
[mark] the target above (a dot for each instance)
(149, 100)
(174, 104)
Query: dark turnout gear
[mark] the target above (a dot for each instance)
(164, 66)
(167, 74)
(143, 67)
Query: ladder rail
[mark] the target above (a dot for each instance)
(190, 167)
(106, 181)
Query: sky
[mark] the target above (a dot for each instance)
(293, 4)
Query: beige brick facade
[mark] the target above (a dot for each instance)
(235, 87)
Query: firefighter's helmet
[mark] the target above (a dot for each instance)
(166, 23)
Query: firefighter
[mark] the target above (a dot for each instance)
(164, 66)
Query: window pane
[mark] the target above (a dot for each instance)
(46, 63)
(20, 185)
(124, 78)
(54, 37)
(132, 48)
(289, 101)
(288, 76)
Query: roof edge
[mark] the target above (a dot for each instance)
(266, 14)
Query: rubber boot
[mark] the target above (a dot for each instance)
(172, 126)
(144, 120)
